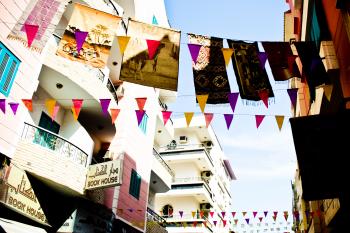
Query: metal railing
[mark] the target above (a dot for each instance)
(193, 186)
(165, 165)
(153, 216)
(54, 142)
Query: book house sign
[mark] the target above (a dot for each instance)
(104, 175)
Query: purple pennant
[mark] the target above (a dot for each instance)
(223, 213)
(232, 98)
(293, 94)
(262, 58)
(80, 37)
(265, 213)
(228, 119)
(194, 50)
(14, 107)
(180, 212)
(104, 105)
(215, 222)
(247, 220)
(139, 114)
(3, 105)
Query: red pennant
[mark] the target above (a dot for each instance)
(205, 223)
(233, 214)
(166, 116)
(195, 224)
(260, 219)
(236, 221)
(286, 217)
(224, 222)
(211, 213)
(274, 218)
(28, 103)
(31, 31)
(141, 102)
(255, 213)
(152, 47)
(77, 104)
(208, 118)
(201, 214)
(264, 96)
(258, 120)
(114, 114)
(275, 213)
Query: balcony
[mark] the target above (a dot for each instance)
(53, 159)
(155, 223)
(176, 223)
(161, 174)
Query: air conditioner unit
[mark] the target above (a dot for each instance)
(183, 139)
(206, 174)
(204, 206)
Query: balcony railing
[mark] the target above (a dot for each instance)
(153, 216)
(165, 165)
(54, 142)
(193, 186)
(189, 219)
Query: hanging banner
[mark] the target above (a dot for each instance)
(40, 21)
(156, 69)
(101, 30)
(104, 175)
(280, 57)
(246, 64)
(209, 71)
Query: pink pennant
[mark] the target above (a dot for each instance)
(228, 119)
(141, 101)
(104, 105)
(255, 213)
(208, 118)
(139, 114)
(166, 116)
(194, 50)
(233, 214)
(232, 98)
(264, 96)
(258, 120)
(180, 212)
(152, 48)
(224, 222)
(80, 37)
(215, 222)
(55, 111)
(247, 220)
(31, 31)
(14, 107)
(262, 58)
(223, 213)
(211, 213)
(114, 114)
(77, 104)
(293, 94)
(3, 105)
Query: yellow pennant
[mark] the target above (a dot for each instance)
(75, 114)
(202, 101)
(193, 214)
(50, 106)
(227, 52)
(188, 116)
(279, 120)
(328, 91)
(123, 42)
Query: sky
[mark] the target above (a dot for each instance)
(263, 159)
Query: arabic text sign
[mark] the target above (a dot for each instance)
(104, 175)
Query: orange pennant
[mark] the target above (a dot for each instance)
(227, 52)
(28, 103)
(114, 114)
(279, 120)
(50, 106)
(202, 101)
(141, 101)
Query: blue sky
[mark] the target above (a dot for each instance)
(264, 160)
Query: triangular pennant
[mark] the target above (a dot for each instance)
(274, 218)
(195, 224)
(152, 48)
(279, 120)
(255, 213)
(228, 119)
(265, 213)
(14, 107)
(285, 212)
(215, 222)
(244, 213)
(328, 89)
(184, 224)
(208, 118)
(181, 213)
(233, 214)
(223, 213)
(286, 217)
(262, 58)
(247, 220)
(224, 222)
(141, 101)
(139, 115)
(114, 114)
(28, 103)
(77, 104)
(264, 96)
(55, 111)
(293, 94)
(154, 20)
(80, 37)
(202, 101)
(194, 51)
(201, 214)
(211, 213)
(166, 116)
(50, 105)
(75, 115)
(123, 42)
(31, 31)
(236, 221)
(193, 214)
(232, 98)
(3, 105)
(227, 52)
(275, 213)
(104, 105)
(260, 219)
(188, 116)
(258, 120)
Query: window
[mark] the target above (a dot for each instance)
(44, 138)
(143, 124)
(167, 211)
(135, 184)
(8, 68)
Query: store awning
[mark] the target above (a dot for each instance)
(322, 148)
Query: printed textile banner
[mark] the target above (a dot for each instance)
(43, 13)
(101, 30)
(251, 78)
(209, 71)
(161, 71)
(279, 54)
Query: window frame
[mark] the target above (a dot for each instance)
(135, 184)
(3, 78)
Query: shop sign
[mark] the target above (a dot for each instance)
(104, 175)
